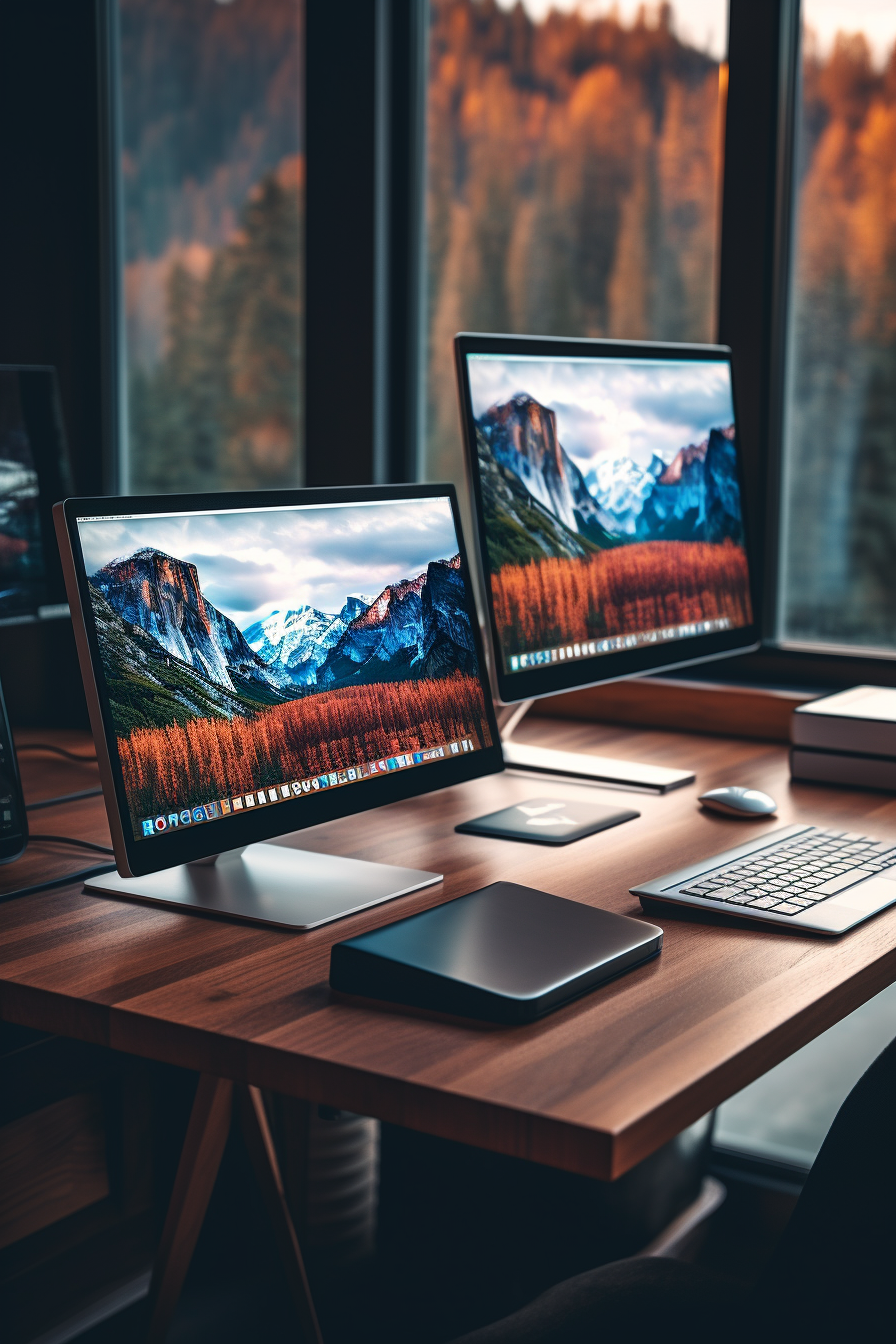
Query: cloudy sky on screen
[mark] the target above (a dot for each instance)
(250, 564)
(631, 410)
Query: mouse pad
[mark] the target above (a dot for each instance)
(547, 821)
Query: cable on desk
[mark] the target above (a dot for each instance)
(69, 840)
(57, 751)
(80, 876)
(63, 798)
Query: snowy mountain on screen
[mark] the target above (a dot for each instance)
(694, 496)
(296, 642)
(161, 595)
(622, 487)
(522, 436)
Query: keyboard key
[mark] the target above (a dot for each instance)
(765, 902)
(746, 899)
(835, 884)
(725, 893)
(787, 908)
(801, 902)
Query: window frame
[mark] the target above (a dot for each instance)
(365, 285)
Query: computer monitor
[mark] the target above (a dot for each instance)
(607, 489)
(259, 663)
(34, 473)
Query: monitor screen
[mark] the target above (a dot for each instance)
(259, 658)
(610, 507)
(34, 473)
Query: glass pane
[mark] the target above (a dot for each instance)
(212, 175)
(573, 178)
(839, 532)
(787, 1112)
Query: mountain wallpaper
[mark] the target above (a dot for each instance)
(229, 665)
(611, 498)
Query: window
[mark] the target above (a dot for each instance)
(839, 492)
(210, 106)
(573, 170)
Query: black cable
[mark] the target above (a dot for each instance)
(57, 751)
(80, 876)
(62, 798)
(68, 840)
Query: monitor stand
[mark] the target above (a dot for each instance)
(581, 765)
(270, 884)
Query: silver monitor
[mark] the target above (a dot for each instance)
(607, 487)
(256, 664)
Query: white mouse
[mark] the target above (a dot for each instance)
(737, 802)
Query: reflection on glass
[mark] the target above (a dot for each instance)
(573, 172)
(212, 172)
(839, 537)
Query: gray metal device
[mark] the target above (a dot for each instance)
(800, 877)
(506, 953)
(259, 663)
(607, 488)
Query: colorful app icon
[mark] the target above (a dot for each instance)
(173, 818)
(250, 799)
(297, 789)
(198, 814)
(272, 795)
(149, 827)
(341, 777)
(212, 811)
(514, 663)
(186, 817)
(325, 781)
(364, 770)
(237, 804)
(352, 774)
(224, 804)
(306, 785)
(161, 824)
(315, 783)
(455, 749)
(333, 777)
(382, 765)
(285, 791)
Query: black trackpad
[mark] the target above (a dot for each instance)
(547, 821)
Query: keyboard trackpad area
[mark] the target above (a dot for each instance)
(847, 908)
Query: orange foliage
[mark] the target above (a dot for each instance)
(643, 586)
(207, 758)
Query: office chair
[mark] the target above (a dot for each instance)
(830, 1276)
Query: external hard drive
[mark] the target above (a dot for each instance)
(504, 954)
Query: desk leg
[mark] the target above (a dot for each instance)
(257, 1133)
(196, 1172)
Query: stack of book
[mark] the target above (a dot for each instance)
(847, 738)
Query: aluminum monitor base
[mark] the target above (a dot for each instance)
(582, 765)
(271, 884)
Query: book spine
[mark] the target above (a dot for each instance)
(839, 767)
(865, 737)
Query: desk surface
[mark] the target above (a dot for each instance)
(593, 1088)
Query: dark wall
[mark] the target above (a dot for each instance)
(50, 216)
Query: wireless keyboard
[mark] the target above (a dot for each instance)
(800, 876)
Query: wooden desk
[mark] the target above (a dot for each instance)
(593, 1088)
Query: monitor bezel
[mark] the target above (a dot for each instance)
(555, 678)
(136, 858)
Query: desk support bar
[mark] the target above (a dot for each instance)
(200, 1158)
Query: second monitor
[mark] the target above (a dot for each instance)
(608, 494)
